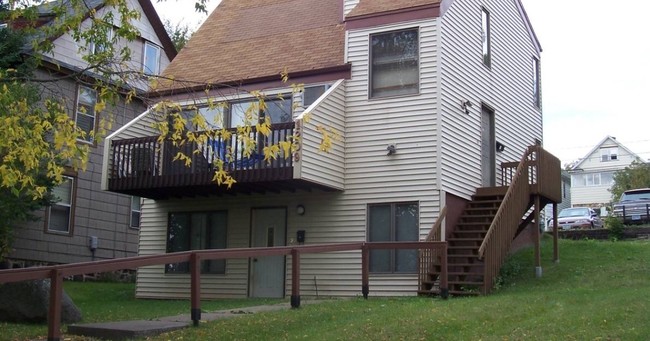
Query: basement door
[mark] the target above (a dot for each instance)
(268, 229)
(488, 148)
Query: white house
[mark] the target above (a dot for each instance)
(592, 176)
(426, 100)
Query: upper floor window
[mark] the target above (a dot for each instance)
(485, 36)
(197, 231)
(59, 214)
(233, 114)
(608, 154)
(396, 222)
(136, 211)
(536, 83)
(394, 63)
(85, 112)
(99, 47)
(592, 179)
(312, 93)
(151, 59)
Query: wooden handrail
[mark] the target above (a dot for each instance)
(430, 258)
(56, 273)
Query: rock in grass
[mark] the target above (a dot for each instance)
(28, 301)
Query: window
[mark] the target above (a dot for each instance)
(85, 113)
(312, 93)
(592, 179)
(394, 68)
(197, 231)
(59, 214)
(151, 59)
(485, 36)
(136, 210)
(536, 83)
(393, 222)
(608, 154)
(95, 48)
(279, 110)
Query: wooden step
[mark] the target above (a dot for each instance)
(491, 191)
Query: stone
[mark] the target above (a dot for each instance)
(28, 301)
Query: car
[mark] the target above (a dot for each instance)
(578, 218)
(634, 206)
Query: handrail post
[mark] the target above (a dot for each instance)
(365, 271)
(444, 286)
(536, 238)
(556, 249)
(195, 288)
(295, 278)
(54, 316)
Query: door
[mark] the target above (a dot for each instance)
(488, 152)
(268, 229)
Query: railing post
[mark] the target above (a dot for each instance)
(195, 287)
(365, 270)
(556, 249)
(536, 238)
(444, 286)
(54, 316)
(295, 278)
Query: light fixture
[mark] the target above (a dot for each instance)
(465, 105)
(391, 149)
(300, 210)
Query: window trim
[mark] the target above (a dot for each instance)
(372, 96)
(393, 230)
(487, 56)
(131, 210)
(537, 90)
(72, 206)
(77, 112)
(190, 213)
(144, 58)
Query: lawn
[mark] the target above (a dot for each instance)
(599, 291)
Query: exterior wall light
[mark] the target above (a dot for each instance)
(300, 210)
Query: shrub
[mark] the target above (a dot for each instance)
(615, 227)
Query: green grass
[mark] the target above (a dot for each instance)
(599, 291)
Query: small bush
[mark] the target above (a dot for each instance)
(615, 227)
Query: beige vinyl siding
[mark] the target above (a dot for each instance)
(323, 167)
(590, 195)
(507, 88)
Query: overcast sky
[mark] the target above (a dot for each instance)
(595, 70)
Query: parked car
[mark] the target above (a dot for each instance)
(578, 218)
(634, 206)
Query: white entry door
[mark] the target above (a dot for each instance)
(269, 228)
(488, 157)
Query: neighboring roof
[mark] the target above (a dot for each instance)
(602, 142)
(243, 40)
(376, 7)
(46, 15)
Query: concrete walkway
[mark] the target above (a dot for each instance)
(123, 330)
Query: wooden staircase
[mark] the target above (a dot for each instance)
(483, 234)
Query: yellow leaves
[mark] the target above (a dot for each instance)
(271, 152)
(284, 75)
(327, 136)
(286, 147)
(182, 157)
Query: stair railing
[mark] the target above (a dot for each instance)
(430, 258)
(496, 243)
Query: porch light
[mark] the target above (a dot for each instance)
(300, 210)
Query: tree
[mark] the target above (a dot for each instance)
(636, 175)
(179, 33)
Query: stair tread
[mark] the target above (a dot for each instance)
(464, 247)
(464, 239)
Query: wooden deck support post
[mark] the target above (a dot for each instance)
(536, 236)
(54, 314)
(556, 249)
(295, 278)
(444, 286)
(195, 288)
(365, 271)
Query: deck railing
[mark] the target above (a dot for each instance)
(429, 259)
(58, 272)
(146, 162)
(538, 173)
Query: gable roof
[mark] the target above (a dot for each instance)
(46, 17)
(378, 7)
(244, 40)
(600, 144)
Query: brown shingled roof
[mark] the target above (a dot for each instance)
(371, 7)
(246, 39)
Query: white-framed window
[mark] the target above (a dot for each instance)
(592, 179)
(393, 222)
(536, 84)
(394, 63)
(608, 154)
(85, 116)
(59, 215)
(95, 48)
(136, 211)
(312, 93)
(151, 59)
(485, 37)
(197, 231)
